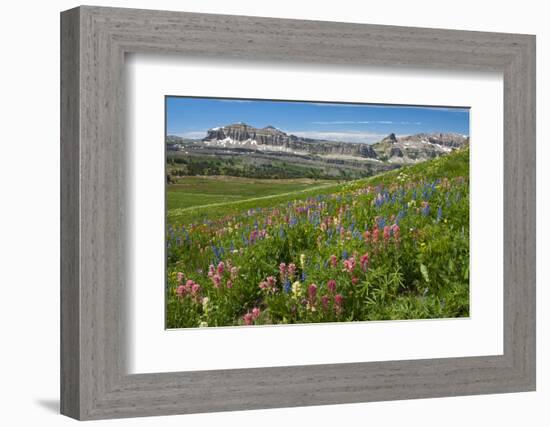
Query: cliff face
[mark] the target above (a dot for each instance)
(271, 139)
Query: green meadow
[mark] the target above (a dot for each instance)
(244, 251)
(193, 198)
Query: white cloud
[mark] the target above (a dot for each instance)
(344, 136)
(190, 135)
(341, 122)
(361, 122)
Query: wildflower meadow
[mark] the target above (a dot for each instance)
(393, 246)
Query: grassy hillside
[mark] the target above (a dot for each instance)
(394, 246)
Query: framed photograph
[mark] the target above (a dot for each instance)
(262, 213)
(268, 226)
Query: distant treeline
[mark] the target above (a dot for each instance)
(178, 166)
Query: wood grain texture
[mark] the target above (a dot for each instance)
(70, 291)
(95, 40)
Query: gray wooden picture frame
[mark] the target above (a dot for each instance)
(94, 382)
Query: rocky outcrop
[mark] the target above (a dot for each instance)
(451, 140)
(390, 139)
(243, 133)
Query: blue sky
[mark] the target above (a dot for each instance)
(366, 123)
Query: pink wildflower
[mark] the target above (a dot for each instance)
(180, 291)
(365, 261)
(221, 268)
(331, 285)
(211, 270)
(349, 264)
(255, 313)
(248, 319)
(271, 281)
(269, 284)
(324, 302)
(229, 284)
(282, 270)
(387, 233)
(375, 235)
(196, 288)
(216, 280)
(338, 303)
(366, 235)
(189, 285)
(395, 230)
(179, 276)
(354, 280)
(312, 291)
(333, 260)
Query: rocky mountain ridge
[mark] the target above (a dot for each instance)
(392, 149)
(418, 147)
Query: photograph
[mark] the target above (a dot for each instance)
(293, 212)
